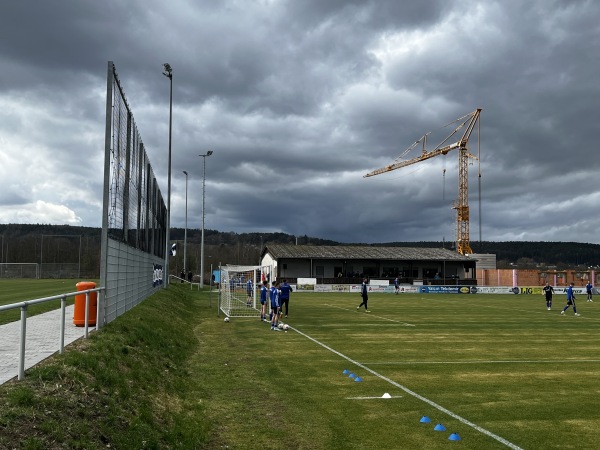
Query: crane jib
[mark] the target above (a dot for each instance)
(462, 205)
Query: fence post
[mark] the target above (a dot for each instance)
(63, 305)
(98, 309)
(87, 305)
(22, 344)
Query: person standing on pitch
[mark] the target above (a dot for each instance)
(274, 307)
(249, 289)
(588, 289)
(396, 286)
(364, 292)
(570, 300)
(264, 290)
(548, 291)
(285, 290)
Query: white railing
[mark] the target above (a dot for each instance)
(63, 304)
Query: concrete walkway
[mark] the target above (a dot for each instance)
(43, 340)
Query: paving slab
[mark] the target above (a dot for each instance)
(42, 341)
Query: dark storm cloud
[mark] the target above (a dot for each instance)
(298, 100)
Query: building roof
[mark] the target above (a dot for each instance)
(283, 251)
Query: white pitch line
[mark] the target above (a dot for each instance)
(414, 394)
(507, 361)
(375, 315)
(373, 398)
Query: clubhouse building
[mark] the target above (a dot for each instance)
(348, 264)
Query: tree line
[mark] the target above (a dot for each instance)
(55, 244)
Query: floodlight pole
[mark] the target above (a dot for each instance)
(185, 233)
(168, 72)
(208, 153)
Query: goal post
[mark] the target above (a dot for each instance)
(239, 290)
(19, 270)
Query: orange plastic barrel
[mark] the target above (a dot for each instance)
(79, 311)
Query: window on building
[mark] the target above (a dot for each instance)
(429, 273)
(407, 272)
(390, 272)
(369, 271)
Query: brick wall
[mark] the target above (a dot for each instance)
(534, 277)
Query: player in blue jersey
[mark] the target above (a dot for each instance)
(285, 289)
(249, 291)
(548, 291)
(274, 306)
(588, 290)
(570, 300)
(396, 286)
(264, 291)
(364, 292)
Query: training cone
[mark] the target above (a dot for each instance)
(358, 379)
(425, 419)
(346, 372)
(440, 427)
(351, 375)
(386, 395)
(454, 437)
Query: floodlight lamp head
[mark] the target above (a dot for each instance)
(185, 173)
(208, 153)
(168, 71)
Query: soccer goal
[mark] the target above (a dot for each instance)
(239, 290)
(19, 270)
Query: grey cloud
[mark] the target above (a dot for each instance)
(298, 100)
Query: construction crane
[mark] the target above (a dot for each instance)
(463, 241)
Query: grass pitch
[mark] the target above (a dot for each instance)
(500, 371)
(14, 290)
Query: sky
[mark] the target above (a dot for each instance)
(298, 100)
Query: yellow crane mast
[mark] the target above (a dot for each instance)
(463, 241)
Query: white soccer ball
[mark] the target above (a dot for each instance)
(286, 327)
(226, 319)
(280, 325)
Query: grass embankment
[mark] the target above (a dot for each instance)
(127, 386)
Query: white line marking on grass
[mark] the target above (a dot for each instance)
(373, 398)
(507, 361)
(414, 394)
(374, 315)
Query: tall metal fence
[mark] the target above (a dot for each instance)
(134, 212)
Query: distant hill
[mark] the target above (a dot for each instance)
(64, 243)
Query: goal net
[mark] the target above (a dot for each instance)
(19, 270)
(239, 290)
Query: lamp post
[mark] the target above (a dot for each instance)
(208, 153)
(185, 233)
(168, 72)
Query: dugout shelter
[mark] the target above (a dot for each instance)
(348, 264)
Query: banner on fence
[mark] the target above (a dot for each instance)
(332, 288)
(305, 287)
(445, 289)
